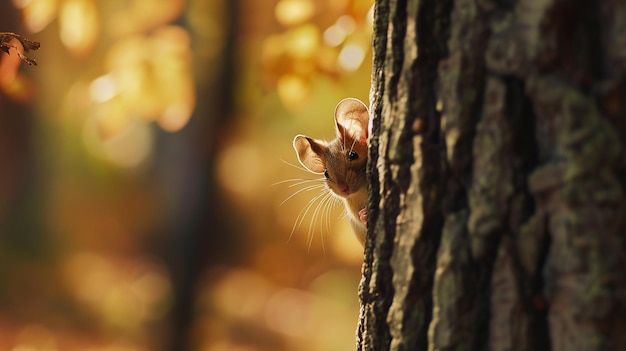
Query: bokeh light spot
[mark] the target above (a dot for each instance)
(175, 117)
(78, 25)
(127, 147)
(237, 168)
(291, 12)
(303, 41)
(38, 13)
(351, 57)
(102, 89)
(239, 293)
(292, 90)
(289, 311)
(131, 147)
(347, 23)
(334, 35)
(20, 4)
(370, 17)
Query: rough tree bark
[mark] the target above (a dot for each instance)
(497, 176)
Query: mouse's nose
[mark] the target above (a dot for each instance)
(344, 188)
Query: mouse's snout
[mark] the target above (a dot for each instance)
(344, 188)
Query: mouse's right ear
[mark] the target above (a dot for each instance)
(351, 119)
(310, 153)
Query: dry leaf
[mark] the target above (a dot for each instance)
(27, 45)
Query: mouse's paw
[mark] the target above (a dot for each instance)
(363, 215)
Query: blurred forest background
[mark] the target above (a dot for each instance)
(139, 208)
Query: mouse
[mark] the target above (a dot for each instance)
(342, 161)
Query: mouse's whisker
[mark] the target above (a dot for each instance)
(331, 204)
(327, 205)
(327, 208)
(353, 143)
(306, 181)
(306, 188)
(312, 224)
(293, 180)
(299, 167)
(321, 205)
(303, 213)
(315, 202)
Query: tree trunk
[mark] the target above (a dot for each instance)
(497, 173)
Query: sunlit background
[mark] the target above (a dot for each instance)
(142, 166)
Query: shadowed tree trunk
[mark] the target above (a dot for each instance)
(497, 176)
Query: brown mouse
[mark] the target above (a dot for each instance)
(342, 160)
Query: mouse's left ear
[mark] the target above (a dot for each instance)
(311, 153)
(351, 118)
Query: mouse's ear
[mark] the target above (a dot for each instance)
(351, 118)
(310, 153)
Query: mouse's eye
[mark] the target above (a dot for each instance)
(352, 155)
(326, 174)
